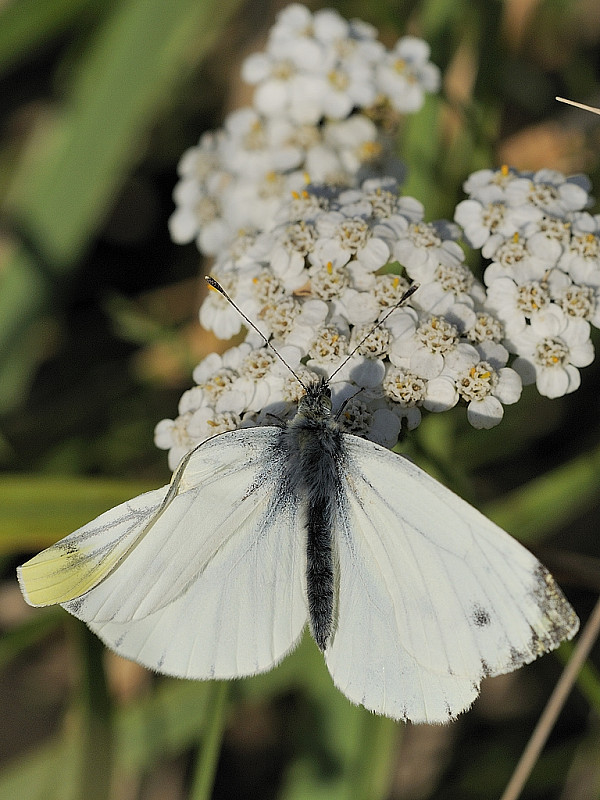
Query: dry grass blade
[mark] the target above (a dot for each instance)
(578, 105)
(553, 707)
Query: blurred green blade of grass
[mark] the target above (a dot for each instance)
(96, 735)
(420, 147)
(36, 511)
(154, 728)
(123, 83)
(74, 164)
(588, 680)
(492, 769)
(25, 25)
(29, 633)
(210, 749)
(24, 296)
(356, 753)
(549, 502)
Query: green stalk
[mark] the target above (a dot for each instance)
(210, 749)
(96, 748)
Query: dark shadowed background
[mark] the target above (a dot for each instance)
(98, 338)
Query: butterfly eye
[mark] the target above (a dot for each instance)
(327, 405)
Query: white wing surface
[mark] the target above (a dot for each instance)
(212, 587)
(432, 595)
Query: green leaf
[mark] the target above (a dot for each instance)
(15, 641)
(173, 718)
(96, 734)
(76, 161)
(588, 680)
(36, 511)
(208, 756)
(547, 503)
(123, 83)
(25, 25)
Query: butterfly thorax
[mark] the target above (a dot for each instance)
(315, 453)
(315, 404)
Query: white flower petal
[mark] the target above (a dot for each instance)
(374, 255)
(485, 413)
(426, 364)
(493, 352)
(582, 355)
(526, 370)
(365, 372)
(574, 378)
(386, 427)
(163, 434)
(552, 381)
(440, 395)
(509, 387)
(361, 307)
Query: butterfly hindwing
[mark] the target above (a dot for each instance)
(447, 595)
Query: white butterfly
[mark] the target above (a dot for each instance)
(412, 595)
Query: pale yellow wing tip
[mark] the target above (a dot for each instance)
(43, 584)
(23, 586)
(35, 590)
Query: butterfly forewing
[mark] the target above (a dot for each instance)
(213, 584)
(240, 616)
(220, 490)
(447, 595)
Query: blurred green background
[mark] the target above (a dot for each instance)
(98, 337)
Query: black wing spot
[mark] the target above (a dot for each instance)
(481, 617)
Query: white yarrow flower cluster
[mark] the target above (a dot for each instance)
(328, 97)
(321, 266)
(321, 65)
(335, 265)
(543, 279)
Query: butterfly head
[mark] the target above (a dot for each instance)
(316, 402)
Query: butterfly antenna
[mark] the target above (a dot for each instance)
(218, 288)
(578, 105)
(410, 291)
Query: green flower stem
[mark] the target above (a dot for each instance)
(210, 748)
(373, 768)
(96, 743)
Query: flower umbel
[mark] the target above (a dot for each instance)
(298, 199)
(319, 87)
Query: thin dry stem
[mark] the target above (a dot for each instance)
(578, 105)
(553, 707)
